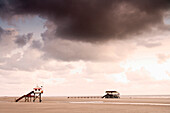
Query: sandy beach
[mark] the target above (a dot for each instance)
(86, 105)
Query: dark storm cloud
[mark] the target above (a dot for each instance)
(92, 20)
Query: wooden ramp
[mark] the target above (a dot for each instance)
(27, 95)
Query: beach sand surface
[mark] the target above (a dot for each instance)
(86, 105)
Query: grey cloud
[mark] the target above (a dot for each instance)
(92, 20)
(148, 44)
(5, 32)
(7, 41)
(1, 31)
(14, 58)
(21, 40)
(11, 34)
(29, 61)
(73, 51)
(36, 44)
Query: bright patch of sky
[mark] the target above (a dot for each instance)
(150, 63)
(118, 77)
(167, 19)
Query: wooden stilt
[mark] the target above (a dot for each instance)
(34, 98)
(25, 99)
(40, 97)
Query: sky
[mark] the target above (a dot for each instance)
(85, 47)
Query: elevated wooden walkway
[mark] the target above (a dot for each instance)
(27, 96)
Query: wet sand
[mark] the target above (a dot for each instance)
(86, 105)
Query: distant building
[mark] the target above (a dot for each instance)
(112, 94)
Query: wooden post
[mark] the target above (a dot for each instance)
(34, 98)
(40, 97)
(25, 99)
